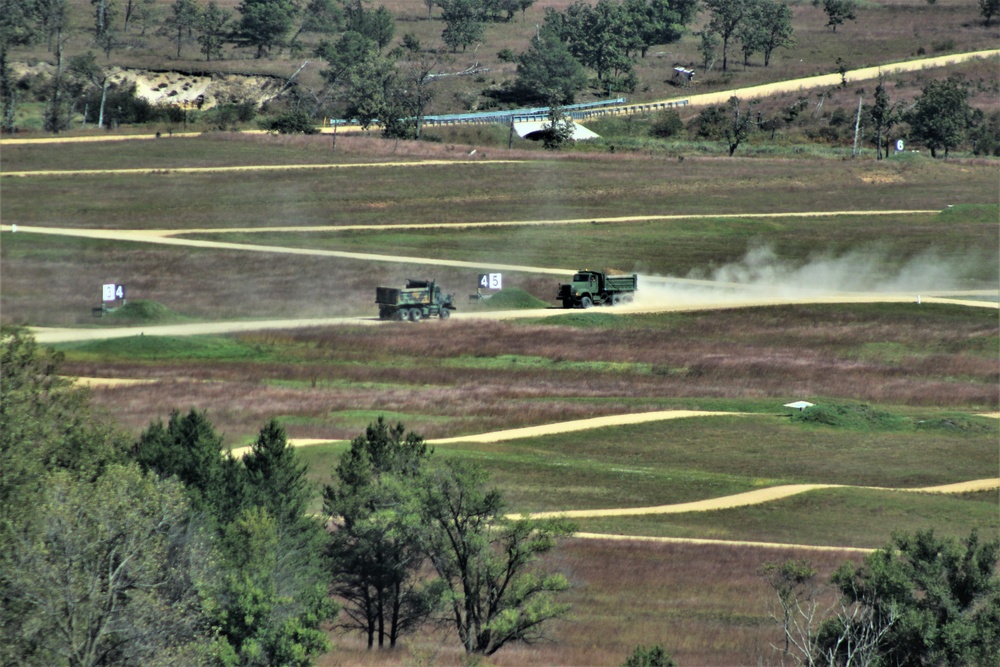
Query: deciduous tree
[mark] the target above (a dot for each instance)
(726, 18)
(494, 592)
(775, 18)
(213, 30)
(938, 598)
(95, 578)
(46, 424)
(463, 24)
(941, 115)
(263, 24)
(547, 71)
(838, 11)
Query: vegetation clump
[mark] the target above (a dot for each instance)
(142, 311)
(513, 298)
(860, 417)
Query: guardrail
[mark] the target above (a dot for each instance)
(584, 111)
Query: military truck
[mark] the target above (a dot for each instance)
(419, 299)
(591, 288)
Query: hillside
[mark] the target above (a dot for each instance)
(468, 79)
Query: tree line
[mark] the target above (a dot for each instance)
(168, 550)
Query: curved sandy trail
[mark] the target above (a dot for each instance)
(580, 425)
(756, 497)
(725, 543)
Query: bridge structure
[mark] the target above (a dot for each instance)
(578, 112)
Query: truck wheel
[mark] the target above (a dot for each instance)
(444, 314)
(585, 302)
(628, 298)
(616, 299)
(399, 316)
(415, 314)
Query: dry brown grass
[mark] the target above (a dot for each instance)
(707, 605)
(743, 355)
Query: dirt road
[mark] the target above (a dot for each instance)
(170, 237)
(758, 497)
(827, 80)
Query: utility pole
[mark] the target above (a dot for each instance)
(857, 128)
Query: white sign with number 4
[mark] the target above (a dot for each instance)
(113, 292)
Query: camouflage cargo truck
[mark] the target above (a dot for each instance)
(591, 288)
(419, 299)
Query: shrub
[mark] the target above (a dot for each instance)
(291, 122)
(654, 656)
(858, 417)
(666, 124)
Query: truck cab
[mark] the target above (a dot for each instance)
(589, 288)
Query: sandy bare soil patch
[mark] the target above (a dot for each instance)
(110, 382)
(579, 425)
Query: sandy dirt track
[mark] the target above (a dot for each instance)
(167, 237)
(579, 425)
(728, 543)
(48, 336)
(760, 496)
(825, 80)
(243, 168)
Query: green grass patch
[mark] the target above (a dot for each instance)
(588, 320)
(851, 417)
(521, 362)
(984, 213)
(512, 298)
(771, 448)
(142, 311)
(173, 348)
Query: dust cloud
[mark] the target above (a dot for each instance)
(763, 275)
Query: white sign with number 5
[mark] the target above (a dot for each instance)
(490, 281)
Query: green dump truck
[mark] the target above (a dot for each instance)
(591, 288)
(419, 299)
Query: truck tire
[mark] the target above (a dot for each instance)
(444, 314)
(585, 302)
(616, 299)
(399, 315)
(415, 314)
